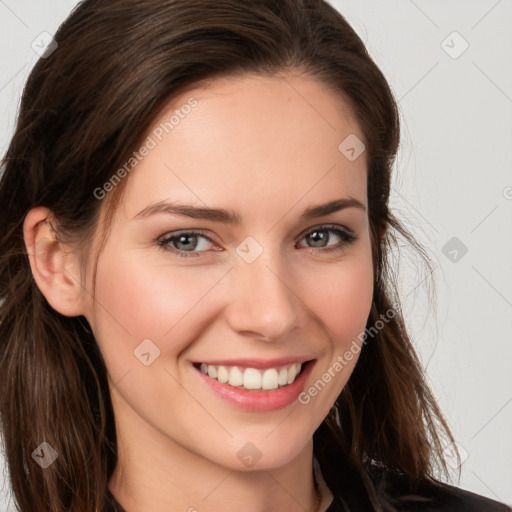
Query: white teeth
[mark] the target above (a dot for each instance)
(292, 372)
(252, 378)
(270, 379)
(222, 374)
(236, 377)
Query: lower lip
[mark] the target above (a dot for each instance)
(259, 400)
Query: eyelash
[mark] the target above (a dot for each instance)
(347, 237)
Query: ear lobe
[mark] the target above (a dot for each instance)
(53, 264)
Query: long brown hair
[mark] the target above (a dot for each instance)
(84, 110)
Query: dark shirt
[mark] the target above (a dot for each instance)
(396, 494)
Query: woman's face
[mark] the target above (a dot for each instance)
(181, 295)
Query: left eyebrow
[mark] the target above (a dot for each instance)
(231, 217)
(333, 206)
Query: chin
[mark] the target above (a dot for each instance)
(255, 452)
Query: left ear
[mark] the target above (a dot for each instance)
(54, 265)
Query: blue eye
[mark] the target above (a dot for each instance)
(185, 243)
(184, 239)
(318, 235)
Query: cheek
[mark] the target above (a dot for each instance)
(341, 296)
(342, 306)
(139, 300)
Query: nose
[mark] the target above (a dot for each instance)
(264, 304)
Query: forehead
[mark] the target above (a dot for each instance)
(249, 140)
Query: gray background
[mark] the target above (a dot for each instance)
(452, 187)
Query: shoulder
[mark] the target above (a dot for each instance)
(397, 493)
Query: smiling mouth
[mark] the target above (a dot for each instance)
(253, 378)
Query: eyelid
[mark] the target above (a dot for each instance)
(205, 233)
(326, 227)
(163, 241)
(347, 235)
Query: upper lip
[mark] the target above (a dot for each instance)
(258, 363)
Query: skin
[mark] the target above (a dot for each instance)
(251, 141)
